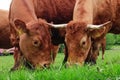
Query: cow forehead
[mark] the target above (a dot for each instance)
(78, 31)
(38, 29)
(78, 27)
(34, 26)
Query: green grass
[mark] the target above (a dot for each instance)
(108, 69)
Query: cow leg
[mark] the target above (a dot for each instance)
(103, 50)
(54, 51)
(17, 56)
(93, 54)
(94, 58)
(102, 54)
(54, 56)
(103, 45)
(89, 56)
(66, 54)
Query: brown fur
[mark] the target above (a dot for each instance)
(52, 11)
(62, 11)
(98, 12)
(5, 36)
(103, 47)
(73, 43)
(38, 39)
(4, 30)
(54, 51)
(94, 52)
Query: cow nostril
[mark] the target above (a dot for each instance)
(45, 65)
(35, 42)
(83, 43)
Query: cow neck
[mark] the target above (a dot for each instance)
(29, 8)
(26, 13)
(82, 12)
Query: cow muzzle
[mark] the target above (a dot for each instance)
(44, 65)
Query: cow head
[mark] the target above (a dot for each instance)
(78, 39)
(34, 42)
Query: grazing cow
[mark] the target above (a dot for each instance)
(26, 17)
(6, 36)
(84, 27)
(94, 51)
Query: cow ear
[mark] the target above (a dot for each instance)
(21, 26)
(99, 30)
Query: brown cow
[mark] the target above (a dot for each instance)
(81, 45)
(98, 12)
(34, 33)
(4, 30)
(5, 40)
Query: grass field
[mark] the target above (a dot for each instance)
(109, 69)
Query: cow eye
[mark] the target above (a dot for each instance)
(36, 43)
(83, 41)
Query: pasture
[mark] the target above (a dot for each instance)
(109, 69)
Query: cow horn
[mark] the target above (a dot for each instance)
(57, 25)
(90, 26)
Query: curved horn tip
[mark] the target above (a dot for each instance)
(98, 26)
